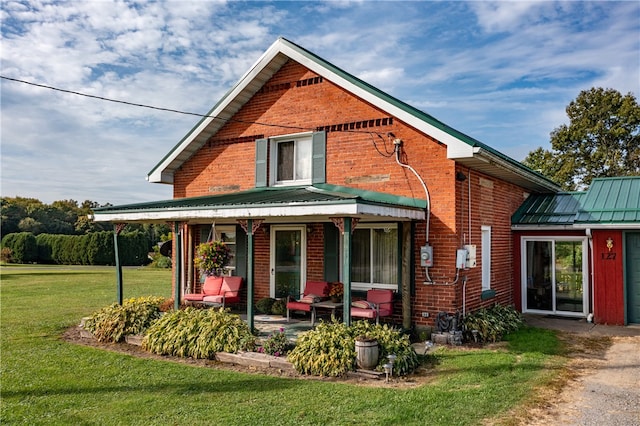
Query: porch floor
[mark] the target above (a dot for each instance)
(269, 324)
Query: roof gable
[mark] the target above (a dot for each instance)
(460, 147)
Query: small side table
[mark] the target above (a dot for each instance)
(327, 304)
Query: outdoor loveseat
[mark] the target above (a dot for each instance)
(217, 291)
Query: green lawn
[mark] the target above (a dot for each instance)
(45, 380)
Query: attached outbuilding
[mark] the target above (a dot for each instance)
(577, 254)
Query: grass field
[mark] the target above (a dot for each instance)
(45, 380)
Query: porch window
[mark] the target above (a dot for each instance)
(374, 262)
(226, 234)
(554, 275)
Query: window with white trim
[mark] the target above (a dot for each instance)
(297, 159)
(374, 258)
(486, 257)
(291, 160)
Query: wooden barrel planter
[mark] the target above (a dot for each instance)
(366, 353)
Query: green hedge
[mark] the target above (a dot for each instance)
(90, 249)
(24, 248)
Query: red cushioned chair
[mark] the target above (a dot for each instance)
(229, 293)
(211, 287)
(313, 290)
(379, 303)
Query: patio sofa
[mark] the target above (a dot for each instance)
(217, 291)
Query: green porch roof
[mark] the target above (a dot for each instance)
(609, 202)
(314, 200)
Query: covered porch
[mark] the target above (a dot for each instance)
(285, 236)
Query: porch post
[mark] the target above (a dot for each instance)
(346, 271)
(117, 228)
(249, 230)
(406, 275)
(177, 238)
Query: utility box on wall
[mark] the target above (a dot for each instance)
(426, 256)
(471, 256)
(461, 258)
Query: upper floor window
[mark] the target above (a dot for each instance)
(291, 160)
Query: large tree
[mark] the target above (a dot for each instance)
(601, 140)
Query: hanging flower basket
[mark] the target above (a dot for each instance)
(212, 257)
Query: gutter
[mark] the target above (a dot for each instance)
(519, 169)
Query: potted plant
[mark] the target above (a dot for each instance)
(336, 291)
(211, 257)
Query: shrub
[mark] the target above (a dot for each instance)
(24, 248)
(198, 333)
(277, 344)
(328, 350)
(390, 341)
(491, 323)
(5, 255)
(279, 307)
(114, 322)
(264, 305)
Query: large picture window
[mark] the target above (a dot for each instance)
(374, 260)
(554, 275)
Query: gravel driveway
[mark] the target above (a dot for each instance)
(607, 389)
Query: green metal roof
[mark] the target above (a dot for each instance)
(608, 201)
(611, 200)
(263, 198)
(548, 209)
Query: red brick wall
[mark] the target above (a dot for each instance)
(226, 164)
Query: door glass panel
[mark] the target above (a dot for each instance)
(287, 263)
(569, 293)
(539, 289)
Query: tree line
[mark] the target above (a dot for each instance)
(64, 233)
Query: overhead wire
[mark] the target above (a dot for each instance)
(176, 111)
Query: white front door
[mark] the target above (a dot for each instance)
(288, 260)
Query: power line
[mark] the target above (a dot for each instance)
(176, 111)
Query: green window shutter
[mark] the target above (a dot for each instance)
(262, 146)
(331, 253)
(318, 171)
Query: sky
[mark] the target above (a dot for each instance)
(501, 72)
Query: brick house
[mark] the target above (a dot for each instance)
(310, 173)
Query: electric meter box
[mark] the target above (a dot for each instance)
(461, 258)
(426, 256)
(471, 255)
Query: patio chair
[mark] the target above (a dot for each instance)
(379, 303)
(314, 291)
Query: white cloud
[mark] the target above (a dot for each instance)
(500, 72)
